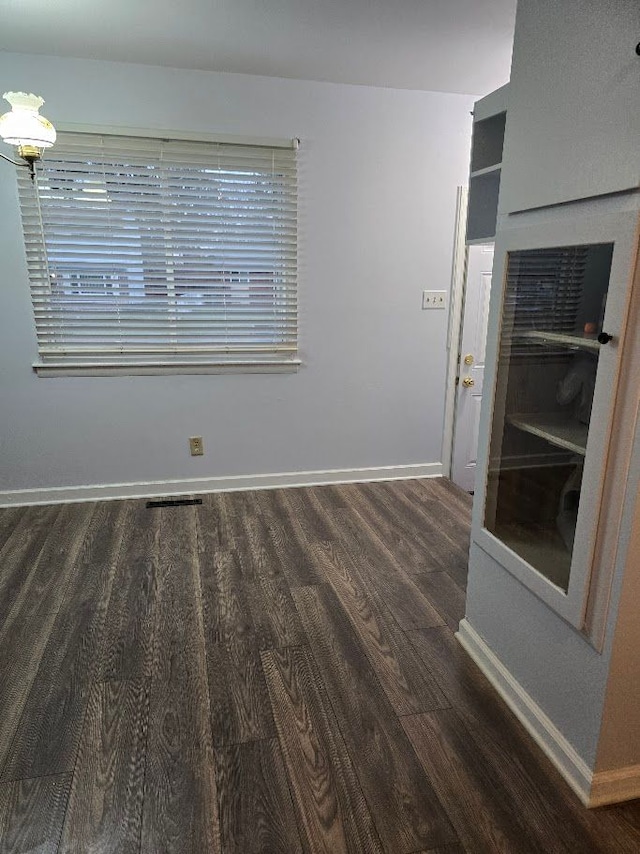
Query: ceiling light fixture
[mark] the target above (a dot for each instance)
(25, 128)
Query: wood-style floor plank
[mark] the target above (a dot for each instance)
(239, 703)
(180, 801)
(216, 510)
(255, 806)
(484, 815)
(127, 639)
(441, 531)
(258, 556)
(24, 635)
(440, 508)
(408, 684)
(332, 813)
(105, 804)
(337, 532)
(390, 528)
(312, 519)
(325, 542)
(378, 565)
(268, 593)
(404, 516)
(31, 814)
(240, 708)
(544, 797)
(286, 529)
(227, 612)
(444, 596)
(58, 697)
(37, 552)
(407, 813)
(455, 493)
(19, 554)
(9, 518)
(273, 609)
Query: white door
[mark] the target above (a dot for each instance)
(470, 374)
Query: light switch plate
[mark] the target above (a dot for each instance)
(434, 299)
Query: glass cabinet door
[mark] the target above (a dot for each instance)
(553, 310)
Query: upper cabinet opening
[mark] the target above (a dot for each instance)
(488, 139)
(489, 117)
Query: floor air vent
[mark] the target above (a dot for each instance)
(173, 502)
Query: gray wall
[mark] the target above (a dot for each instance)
(554, 664)
(378, 176)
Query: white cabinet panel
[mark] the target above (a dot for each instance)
(573, 123)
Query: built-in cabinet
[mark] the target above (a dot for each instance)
(556, 335)
(573, 125)
(560, 286)
(553, 585)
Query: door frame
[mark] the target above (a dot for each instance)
(454, 331)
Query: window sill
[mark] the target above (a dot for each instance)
(82, 369)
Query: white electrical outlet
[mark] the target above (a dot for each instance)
(434, 299)
(196, 447)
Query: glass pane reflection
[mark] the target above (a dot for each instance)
(548, 359)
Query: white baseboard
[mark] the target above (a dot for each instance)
(152, 488)
(541, 728)
(594, 789)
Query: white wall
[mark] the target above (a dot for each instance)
(378, 176)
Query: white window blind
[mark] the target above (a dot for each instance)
(145, 250)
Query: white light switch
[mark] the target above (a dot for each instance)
(434, 299)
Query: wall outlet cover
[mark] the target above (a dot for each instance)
(196, 447)
(434, 299)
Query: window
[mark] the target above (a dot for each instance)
(150, 254)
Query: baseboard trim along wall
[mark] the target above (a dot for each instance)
(594, 789)
(541, 728)
(152, 488)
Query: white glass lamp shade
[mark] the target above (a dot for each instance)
(23, 125)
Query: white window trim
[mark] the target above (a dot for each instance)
(79, 369)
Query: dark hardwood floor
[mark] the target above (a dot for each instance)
(268, 672)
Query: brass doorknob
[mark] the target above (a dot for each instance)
(468, 382)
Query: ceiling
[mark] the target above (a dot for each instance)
(441, 45)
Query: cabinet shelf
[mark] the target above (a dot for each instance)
(496, 167)
(555, 428)
(481, 241)
(579, 342)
